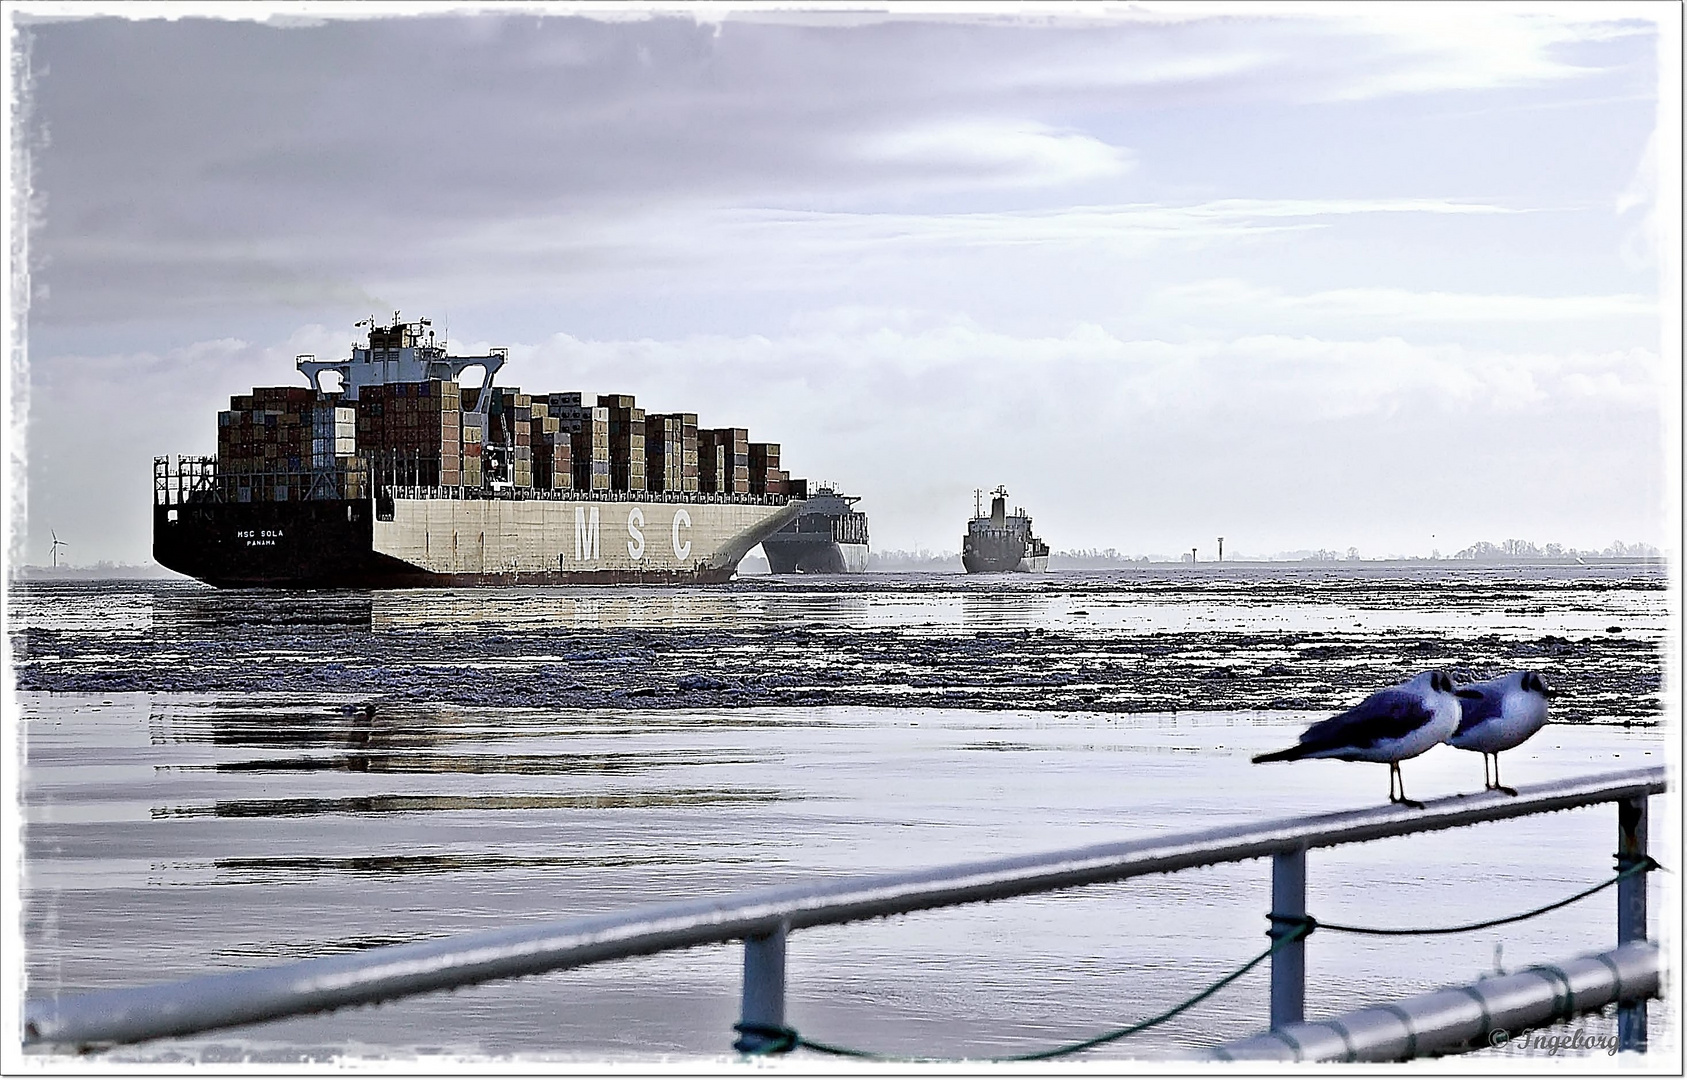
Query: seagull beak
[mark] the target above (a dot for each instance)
(1468, 695)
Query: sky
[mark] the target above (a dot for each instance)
(1394, 277)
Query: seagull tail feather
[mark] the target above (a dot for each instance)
(1293, 753)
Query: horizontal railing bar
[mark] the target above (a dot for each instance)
(1487, 1013)
(382, 974)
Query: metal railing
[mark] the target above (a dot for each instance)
(1490, 1012)
(763, 919)
(188, 479)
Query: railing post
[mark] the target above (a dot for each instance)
(764, 989)
(1631, 911)
(1288, 964)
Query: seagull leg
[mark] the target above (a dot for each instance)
(1393, 772)
(1487, 784)
(1497, 785)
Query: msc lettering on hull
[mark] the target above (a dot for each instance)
(574, 541)
(681, 519)
(588, 534)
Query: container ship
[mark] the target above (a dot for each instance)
(401, 477)
(1002, 541)
(829, 536)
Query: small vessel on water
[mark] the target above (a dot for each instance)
(1001, 541)
(829, 536)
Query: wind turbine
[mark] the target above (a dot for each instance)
(57, 543)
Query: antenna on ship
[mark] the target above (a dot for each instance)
(57, 543)
(977, 502)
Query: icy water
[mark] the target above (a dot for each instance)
(197, 798)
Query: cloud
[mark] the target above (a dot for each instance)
(985, 152)
(769, 245)
(1239, 300)
(1131, 225)
(663, 247)
(197, 164)
(1642, 243)
(1425, 48)
(936, 385)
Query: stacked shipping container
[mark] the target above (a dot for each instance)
(513, 424)
(553, 468)
(274, 443)
(278, 443)
(474, 439)
(670, 451)
(626, 442)
(725, 461)
(711, 462)
(765, 475)
(412, 432)
(588, 431)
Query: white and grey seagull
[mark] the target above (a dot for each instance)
(1390, 726)
(1499, 714)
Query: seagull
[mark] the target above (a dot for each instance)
(1498, 715)
(1391, 725)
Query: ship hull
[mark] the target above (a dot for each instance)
(1023, 564)
(995, 550)
(814, 557)
(428, 542)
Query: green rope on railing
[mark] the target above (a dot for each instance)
(756, 1040)
(782, 1039)
(1635, 866)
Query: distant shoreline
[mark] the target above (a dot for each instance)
(102, 572)
(129, 572)
(1057, 564)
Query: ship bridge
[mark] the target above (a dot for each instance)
(403, 352)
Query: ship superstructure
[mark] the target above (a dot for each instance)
(829, 536)
(1001, 541)
(403, 477)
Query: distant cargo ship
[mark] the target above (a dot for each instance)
(401, 477)
(1002, 541)
(828, 536)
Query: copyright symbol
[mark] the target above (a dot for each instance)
(1498, 1037)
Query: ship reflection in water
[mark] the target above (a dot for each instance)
(416, 804)
(431, 747)
(512, 610)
